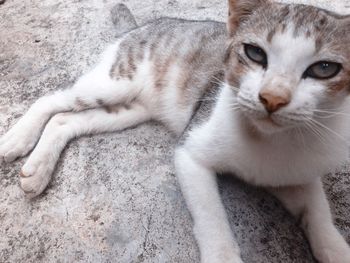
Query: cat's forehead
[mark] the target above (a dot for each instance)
(328, 31)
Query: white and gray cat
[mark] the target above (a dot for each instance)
(280, 120)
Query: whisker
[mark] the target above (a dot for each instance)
(316, 131)
(232, 87)
(333, 112)
(300, 134)
(328, 129)
(325, 116)
(216, 80)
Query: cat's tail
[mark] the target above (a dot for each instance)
(122, 18)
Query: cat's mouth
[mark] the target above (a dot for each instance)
(269, 121)
(273, 123)
(263, 121)
(267, 124)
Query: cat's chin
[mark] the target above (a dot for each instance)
(267, 125)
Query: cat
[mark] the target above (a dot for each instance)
(280, 119)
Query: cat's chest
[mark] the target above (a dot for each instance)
(280, 164)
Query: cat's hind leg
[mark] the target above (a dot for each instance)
(92, 90)
(21, 138)
(37, 170)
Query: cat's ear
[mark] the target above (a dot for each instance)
(240, 10)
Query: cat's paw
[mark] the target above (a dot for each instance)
(17, 142)
(330, 256)
(333, 255)
(35, 176)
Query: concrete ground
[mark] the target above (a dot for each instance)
(114, 197)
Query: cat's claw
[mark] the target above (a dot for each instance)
(34, 177)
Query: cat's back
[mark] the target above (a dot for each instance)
(177, 36)
(195, 45)
(172, 62)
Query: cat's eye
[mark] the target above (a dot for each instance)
(323, 70)
(256, 54)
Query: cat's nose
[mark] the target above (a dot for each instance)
(273, 102)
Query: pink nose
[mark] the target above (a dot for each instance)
(273, 102)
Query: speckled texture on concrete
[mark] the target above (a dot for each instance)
(114, 197)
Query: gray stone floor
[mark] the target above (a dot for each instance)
(114, 197)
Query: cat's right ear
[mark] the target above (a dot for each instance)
(239, 10)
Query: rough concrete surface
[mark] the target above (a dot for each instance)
(114, 197)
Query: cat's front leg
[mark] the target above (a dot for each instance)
(309, 203)
(211, 227)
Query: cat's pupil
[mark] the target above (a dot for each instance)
(324, 66)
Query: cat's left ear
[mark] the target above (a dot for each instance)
(239, 10)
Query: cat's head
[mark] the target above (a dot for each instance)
(289, 64)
